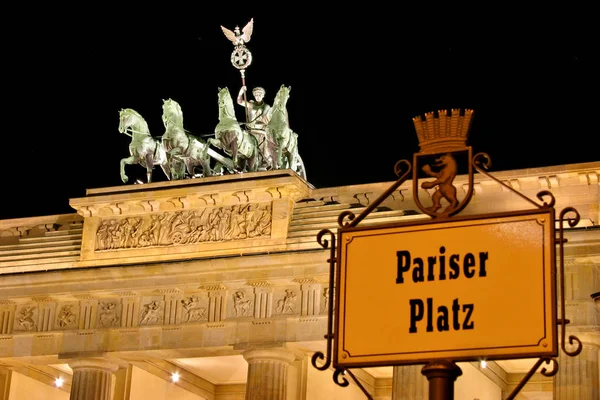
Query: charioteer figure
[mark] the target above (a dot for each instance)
(259, 113)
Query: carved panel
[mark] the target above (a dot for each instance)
(109, 313)
(67, 316)
(216, 224)
(287, 304)
(26, 317)
(242, 304)
(195, 309)
(152, 311)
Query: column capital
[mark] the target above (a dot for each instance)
(98, 363)
(258, 355)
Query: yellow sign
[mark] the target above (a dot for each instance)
(460, 289)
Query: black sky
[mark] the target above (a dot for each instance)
(357, 77)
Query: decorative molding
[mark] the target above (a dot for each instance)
(275, 192)
(242, 196)
(305, 280)
(213, 287)
(363, 198)
(150, 205)
(45, 299)
(209, 199)
(259, 284)
(84, 297)
(126, 294)
(168, 291)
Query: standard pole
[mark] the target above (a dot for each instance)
(242, 72)
(441, 376)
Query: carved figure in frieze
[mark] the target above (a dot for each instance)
(258, 221)
(152, 313)
(237, 224)
(25, 318)
(193, 312)
(107, 314)
(241, 305)
(66, 317)
(287, 305)
(325, 299)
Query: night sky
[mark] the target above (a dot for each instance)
(357, 79)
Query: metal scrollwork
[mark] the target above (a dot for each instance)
(319, 356)
(343, 215)
(543, 193)
(482, 160)
(344, 382)
(339, 379)
(572, 222)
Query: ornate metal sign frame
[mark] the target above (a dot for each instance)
(442, 137)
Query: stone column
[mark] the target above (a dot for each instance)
(92, 379)
(267, 373)
(577, 377)
(409, 383)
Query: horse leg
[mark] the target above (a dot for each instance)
(235, 157)
(126, 161)
(166, 169)
(149, 167)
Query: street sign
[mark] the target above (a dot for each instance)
(456, 289)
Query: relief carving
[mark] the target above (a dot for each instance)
(193, 312)
(241, 305)
(108, 315)
(26, 318)
(152, 313)
(185, 227)
(287, 305)
(325, 307)
(67, 317)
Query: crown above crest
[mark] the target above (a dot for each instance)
(443, 130)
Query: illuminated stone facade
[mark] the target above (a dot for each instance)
(222, 280)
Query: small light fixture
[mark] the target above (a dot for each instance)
(175, 377)
(483, 364)
(58, 382)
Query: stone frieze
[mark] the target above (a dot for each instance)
(216, 224)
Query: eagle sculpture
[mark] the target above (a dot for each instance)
(236, 38)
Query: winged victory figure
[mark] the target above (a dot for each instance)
(236, 38)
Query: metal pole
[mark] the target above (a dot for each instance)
(441, 376)
(242, 71)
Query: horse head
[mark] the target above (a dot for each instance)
(226, 110)
(129, 118)
(282, 96)
(172, 114)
